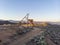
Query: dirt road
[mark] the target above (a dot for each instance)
(23, 39)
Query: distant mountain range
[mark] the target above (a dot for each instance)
(7, 22)
(14, 22)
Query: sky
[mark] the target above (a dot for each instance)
(39, 10)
